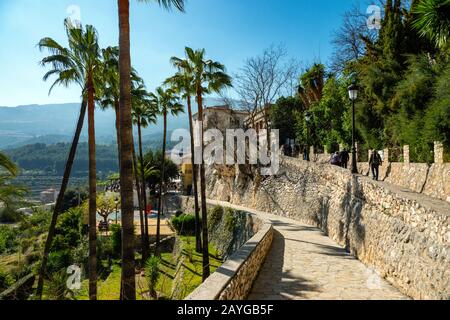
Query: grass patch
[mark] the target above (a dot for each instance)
(193, 265)
(189, 276)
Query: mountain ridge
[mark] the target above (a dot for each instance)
(53, 123)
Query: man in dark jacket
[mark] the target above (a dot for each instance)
(375, 162)
(345, 157)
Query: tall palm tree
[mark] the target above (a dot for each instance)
(110, 97)
(166, 102)
(143, 113)
(126, 141)
(183, 83)
(209, 76)
(79, 63)
(432, 19)
(110, 85)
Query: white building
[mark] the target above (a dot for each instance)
(48, 196)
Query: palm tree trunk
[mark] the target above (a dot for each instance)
(92, 194)
(198, 238)
(141, 214)
(160, 204)
(126, 149)
(144, 194)
(59, 200)
(116, 109)
(205, 249)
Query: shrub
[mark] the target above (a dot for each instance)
(231, 220)
(214, 216)
(152, 274)
(68, 230)
(57, 286)
(8, 239)
(178, 213)
(184, 224)
(116, 237)
(105, 248)
(58, 260)
(5, 281)
(9, 215)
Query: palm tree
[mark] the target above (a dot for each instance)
(166, 102)
(111, 98)
(126, 141)
(143, 113)
(209, 77)
(79, 63)
(183, 83)
(7, 165)
(10, 195)
(433, 20)
(110, 85)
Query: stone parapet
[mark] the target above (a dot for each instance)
(235, 278)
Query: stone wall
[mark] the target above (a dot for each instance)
(234, 279)
(403, 235)
(430, 179)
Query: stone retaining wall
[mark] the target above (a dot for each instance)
(234, 279)
(403, 235)
(432, 180)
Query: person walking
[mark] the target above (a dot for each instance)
(305, 153)
(345, 157)
(335, 159)
(375, 162)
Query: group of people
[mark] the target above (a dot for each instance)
(289, 150)
(342, 158)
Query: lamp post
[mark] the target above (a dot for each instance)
(307, 119)
(116, 201)
(353, 94)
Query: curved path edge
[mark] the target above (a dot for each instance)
(304, 264)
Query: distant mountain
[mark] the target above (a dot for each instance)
(49, 124)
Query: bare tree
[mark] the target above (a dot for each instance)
(265, 78)
(349, 41)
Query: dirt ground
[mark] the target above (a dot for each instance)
(165, 229)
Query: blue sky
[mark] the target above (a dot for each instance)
(229, 30)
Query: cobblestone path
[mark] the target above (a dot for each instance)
(303, 263)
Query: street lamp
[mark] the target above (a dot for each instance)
(307, 119)
(116, 201)
(353, 94)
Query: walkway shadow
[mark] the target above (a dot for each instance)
(275, 283)
(328, 250)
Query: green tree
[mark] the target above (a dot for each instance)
(282, 114)
(209, 76)
(183, 83)
(166, 102)
(432, 20)
(78, 63)
(11, 196)
(144, 113)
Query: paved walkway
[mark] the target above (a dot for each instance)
(303, 263)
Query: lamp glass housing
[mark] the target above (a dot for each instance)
(353, 92)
